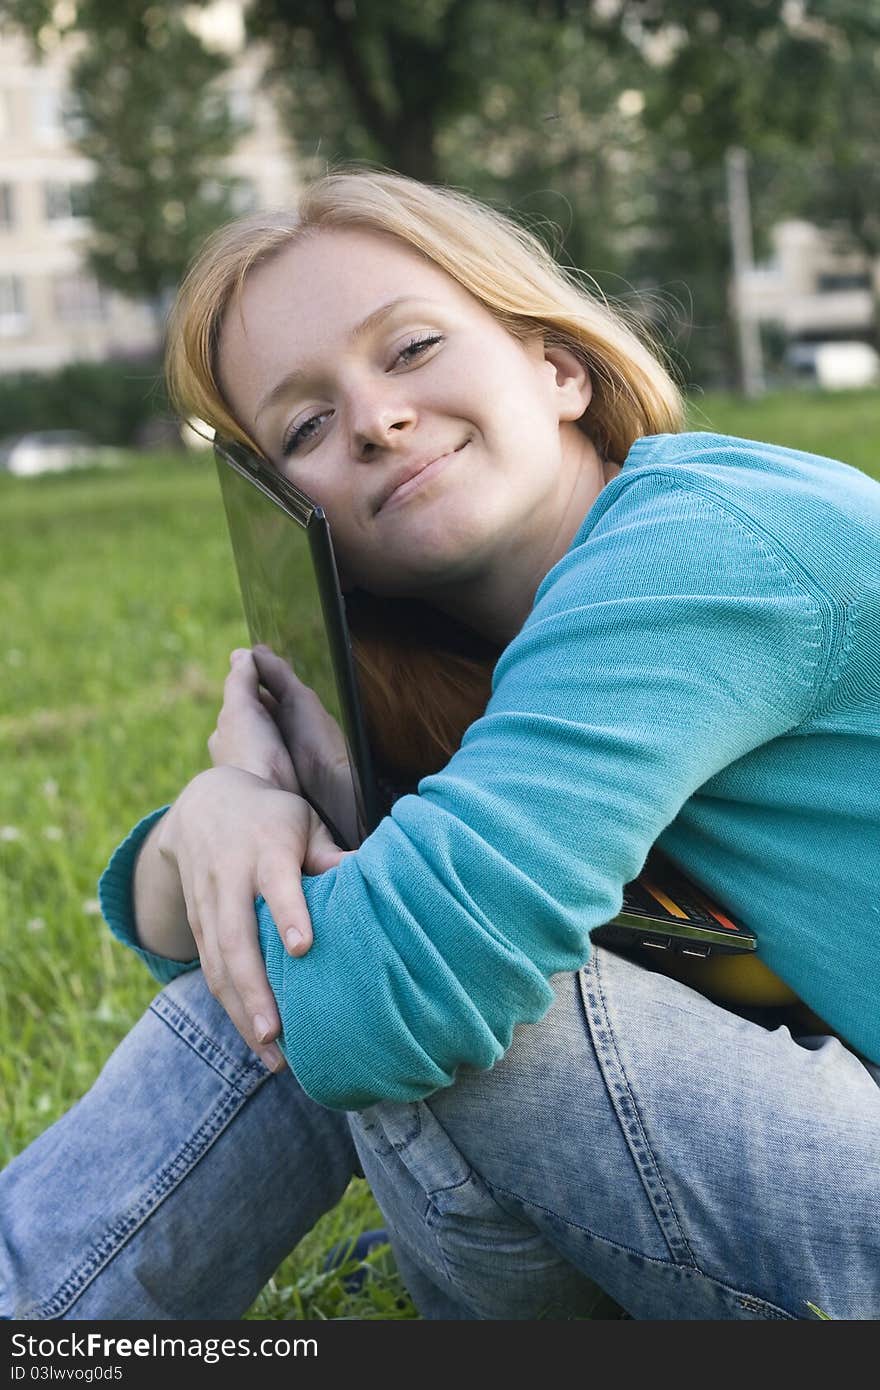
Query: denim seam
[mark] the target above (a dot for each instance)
(749, 1301)
(517, 1198)
(169, 1177)
(237, 1074)
(433, 1217)
(629, 1118)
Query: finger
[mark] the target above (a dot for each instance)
(242, 963)
(268, 702)
(269, 1053)
(242, 683)
(234, 970)
(280, 884)
(322, 852)
(225, 993)
(276, 674)
(245, 994)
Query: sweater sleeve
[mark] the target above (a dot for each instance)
(671, 640)
(115, 894)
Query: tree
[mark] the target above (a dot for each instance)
(516, 100)
(845, 191)
(384, 81)
(792, 83)
(148, 109)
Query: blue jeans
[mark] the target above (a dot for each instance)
(692, 1163)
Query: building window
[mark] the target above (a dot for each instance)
(843, 280)
(6, 122)
(7, 207)
(13, 315)
(78, 299)
(65, 200)
(48, 114)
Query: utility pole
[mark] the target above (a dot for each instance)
(751, 359)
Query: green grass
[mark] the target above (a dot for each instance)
(120, 607)
(842, 424)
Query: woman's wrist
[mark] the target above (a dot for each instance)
(160, 916)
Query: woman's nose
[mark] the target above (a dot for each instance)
(379, 422)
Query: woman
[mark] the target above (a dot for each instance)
(689, 654)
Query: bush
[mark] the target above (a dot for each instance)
(117, 402)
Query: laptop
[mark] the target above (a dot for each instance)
(282, 547)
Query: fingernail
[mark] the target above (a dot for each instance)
(237, 655)
(272, 1057)
(293, 938)
(261, 1028)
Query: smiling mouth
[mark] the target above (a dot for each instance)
(404, 489)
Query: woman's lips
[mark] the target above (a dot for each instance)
(405, 489)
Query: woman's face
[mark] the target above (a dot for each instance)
(435, 441)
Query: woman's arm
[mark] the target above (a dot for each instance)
(159, 905)
(221, 818)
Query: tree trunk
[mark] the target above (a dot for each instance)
(412, 149)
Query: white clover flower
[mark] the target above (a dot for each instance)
(53, 832)
(10, 832)
(91, 907)
(36, 924)
(50, 788)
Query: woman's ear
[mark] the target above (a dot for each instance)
(571, 382)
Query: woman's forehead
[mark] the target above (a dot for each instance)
(347, 267)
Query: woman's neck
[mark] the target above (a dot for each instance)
(498, 603)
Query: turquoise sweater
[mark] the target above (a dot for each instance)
(701, 669)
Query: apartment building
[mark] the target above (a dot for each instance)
(52, 310)
(823, 299)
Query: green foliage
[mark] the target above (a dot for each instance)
(383, 81)
(112, 402)
(156, 194)
(843, 191)
(823, 1317)
(148, 110)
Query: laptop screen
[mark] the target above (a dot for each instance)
(293, 604)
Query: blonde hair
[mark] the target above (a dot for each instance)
(424, 678)
(503, 265)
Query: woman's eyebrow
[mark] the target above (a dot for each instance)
(372, 321)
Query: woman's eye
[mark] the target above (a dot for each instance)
(416, 347)
(302, 434)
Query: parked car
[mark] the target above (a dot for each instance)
(52, 451)
(835, 365)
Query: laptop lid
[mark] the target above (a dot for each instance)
(293, 603)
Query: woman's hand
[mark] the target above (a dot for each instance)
(232, 835)
(282, 733)
(314, 739)
(247, 735)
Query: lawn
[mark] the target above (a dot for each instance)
(120, 607)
